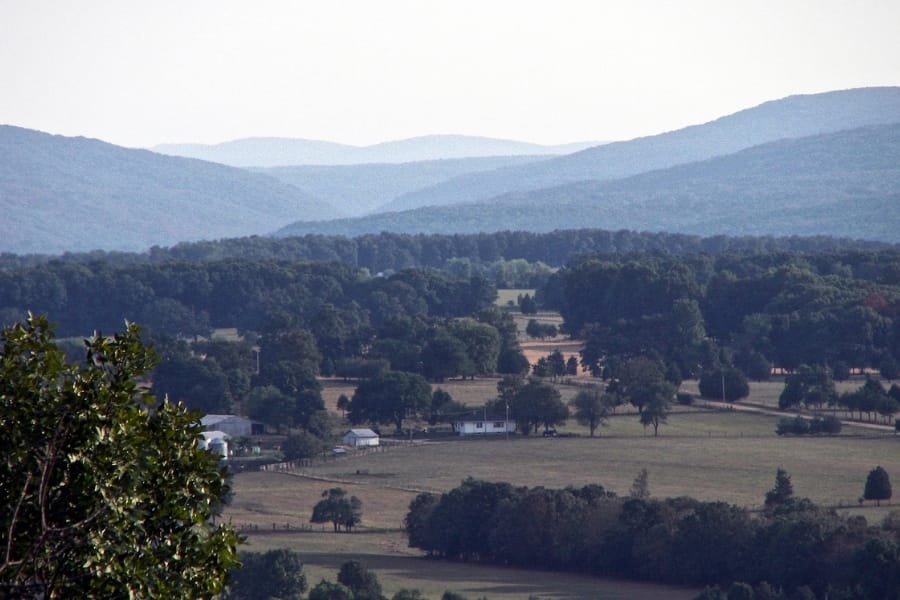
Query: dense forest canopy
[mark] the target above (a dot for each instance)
(393, 251)
(790, 309)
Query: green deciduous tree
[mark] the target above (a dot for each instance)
(445, 355)
(359, 580)
(657, 402)
(102, 496)
(390, 397)
(339, 510)
(640, 487)
(878, 486)
(592, 407)
(726, 384)
(537, 404)
(265, 575)
(327, 590)
(782, 492)
(301, 445)
(482, 342)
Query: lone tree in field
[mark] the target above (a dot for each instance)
(339, 510)
(878, 486)
(657, 401)
(726, 384)
(782, 492)
(592, 408)
(104, 494)
(640, 487)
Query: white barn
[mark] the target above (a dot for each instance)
(477, 423)
(361, 438)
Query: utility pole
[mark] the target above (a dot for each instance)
(506, 423)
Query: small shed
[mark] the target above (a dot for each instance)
(361, 438)
(479, 423)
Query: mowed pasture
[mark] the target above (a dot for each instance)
(728, 456)
(399, 567)
(710, 455)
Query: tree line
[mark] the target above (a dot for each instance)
(791, 547)
(396, 251)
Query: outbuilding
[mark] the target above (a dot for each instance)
(233, 425)
(361, 438)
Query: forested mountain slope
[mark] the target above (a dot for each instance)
(844, 184)
(361, 189)
(795, 116)
(60, 194)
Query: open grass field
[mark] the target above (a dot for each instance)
(398, 568)
(710, 455)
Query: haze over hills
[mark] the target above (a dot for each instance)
(361, 189)
(843, 184)
(277, 152)
(794, 116)
(823, 164)
(60, 194)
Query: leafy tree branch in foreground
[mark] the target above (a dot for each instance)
(107, 496)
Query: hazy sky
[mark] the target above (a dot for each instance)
(139, 73)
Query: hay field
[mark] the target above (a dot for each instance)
(708, 455)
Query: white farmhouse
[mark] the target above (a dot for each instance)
(361, 438)
(479, 423)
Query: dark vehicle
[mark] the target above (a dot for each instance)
(550, 433)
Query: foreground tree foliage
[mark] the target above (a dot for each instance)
(793, 549)
(103, 494)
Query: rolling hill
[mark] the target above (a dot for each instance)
(361, 189)
(843, 184)
(277, 152)
(791, 117)
(61, 194)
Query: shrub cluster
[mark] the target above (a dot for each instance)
(829, 425)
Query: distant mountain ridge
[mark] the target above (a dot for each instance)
(791, 117)
(279, 152)
(842, 184)
(361, 189)
(61, 194)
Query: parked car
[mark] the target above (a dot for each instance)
(550, 433)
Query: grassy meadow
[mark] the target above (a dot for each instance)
(710, 455)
